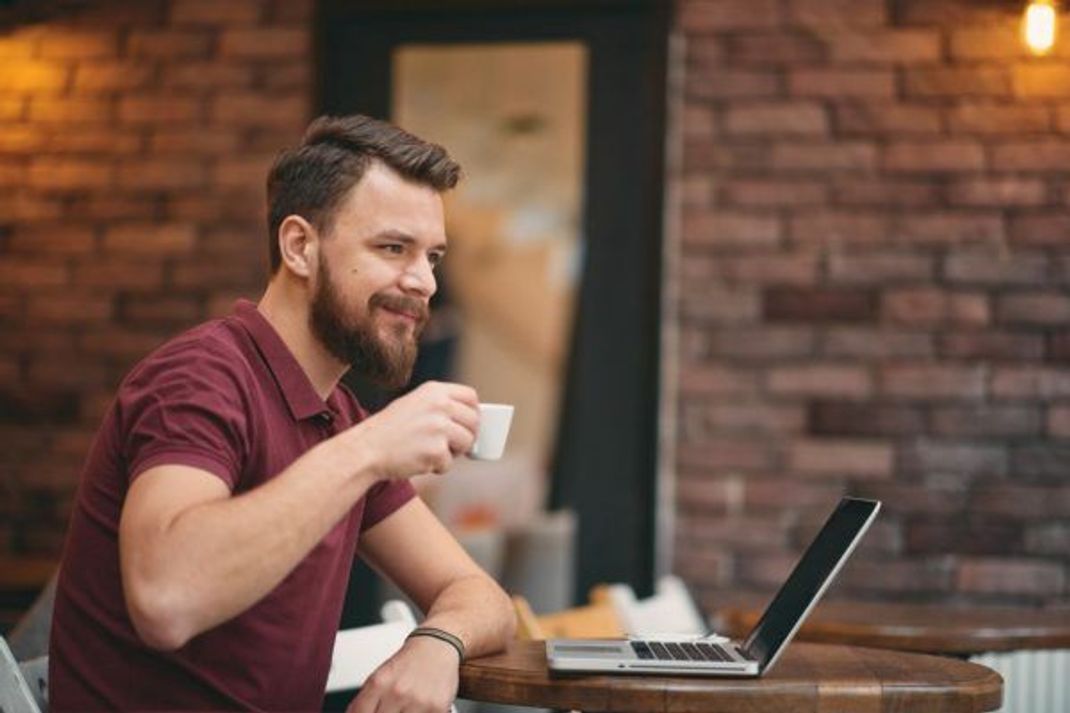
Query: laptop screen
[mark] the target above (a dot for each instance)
(808, 580)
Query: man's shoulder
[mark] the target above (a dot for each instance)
(213, 348)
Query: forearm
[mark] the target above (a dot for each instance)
(214, 560)
(475, 609)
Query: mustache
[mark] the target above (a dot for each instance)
(400, 303)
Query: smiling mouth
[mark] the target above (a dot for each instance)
(403, 315)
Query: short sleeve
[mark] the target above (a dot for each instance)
(383, 499)
(185, 407)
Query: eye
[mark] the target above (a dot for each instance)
(393, 248)
(436, 258)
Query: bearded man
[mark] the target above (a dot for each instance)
(234, 479)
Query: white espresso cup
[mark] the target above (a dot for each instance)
(494, 421)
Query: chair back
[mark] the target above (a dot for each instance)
(671, 610)
(16, 696)
(593, 621)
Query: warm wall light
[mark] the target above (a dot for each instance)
(1038, 26)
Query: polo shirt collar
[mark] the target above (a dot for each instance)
(296, 387)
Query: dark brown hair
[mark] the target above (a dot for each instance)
(313, 178)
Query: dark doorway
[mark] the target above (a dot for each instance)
(605, 463)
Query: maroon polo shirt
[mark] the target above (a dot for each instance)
(229, 398)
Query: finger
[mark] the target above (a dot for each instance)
(460, 438)
(465, 415)
(462, 392)
(365, 702)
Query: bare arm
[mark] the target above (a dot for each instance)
(193, 556)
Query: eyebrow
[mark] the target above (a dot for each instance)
(403, 237)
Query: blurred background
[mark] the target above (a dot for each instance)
(731, 259)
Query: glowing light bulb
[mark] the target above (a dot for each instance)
(1039, 26)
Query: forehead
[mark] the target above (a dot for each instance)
(383, 200)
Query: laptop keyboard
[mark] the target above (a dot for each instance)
(683, 651)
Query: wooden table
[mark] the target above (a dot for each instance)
(808, 677)
(928, 628)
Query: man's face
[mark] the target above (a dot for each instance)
(374, 278)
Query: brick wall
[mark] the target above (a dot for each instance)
(875, 263)
(134, 140)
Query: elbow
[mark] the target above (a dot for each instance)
(158, 617)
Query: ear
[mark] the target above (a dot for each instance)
(298, 245)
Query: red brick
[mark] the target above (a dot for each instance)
(992, 346)
(151, 239)
(12, 108)
(201, 275)
(835, 228)
(160, 109)
(879, 268)
(782, 268)
(818, 305)
(28, 206)
(705, 380)
(170, 44)
(12, 174)
(1058, 422)
(1064, 119)
(719, 304)
(157, 173)
(718, 15)
(810, 156)
(772, 192)
(932, 306)
(195, 141)
(987, 421)
(1040, 229)
(885, 46)
(208, 75)
(780, 118)
(957, 82)
(1001, 191)
(695, 191)
(141, 309)
(70, 173)
(1033, 80)
(824, 14)
(871, 344)
(104, 140)
(1059, 346)
(69, 308)
(32, 76)
(859, 191)
(290, 12)
(111, 205)
(25, 273)
(699, 529)
(119, 274)
(52, 239)
(754, 418)
(1041, 463)
(212, 12)
(1030, 383)
(1023, 501)
(877, 117)
(723, 229)
(119, 342)
(260, 110)
(108, 76)
(932, 381)
(733, 84)
(763, 343)
(729, 453)
(266, 43)
(1010, 576)
(930, 156)
(839, 83)
(21, 139)
(991, 118)
(772, 48)
(70, 110)
(244, 206)
(948, 229)
(700, 157)
(923, 457)
(1036, 156)
(723, 494)
(1048, 539)
(699, 122)
(65, 44)
(996, 269)
(779, 493)
(850, 418)
(818, 380)
(962, 537)
(292, 76)
(981, 43)
(1034, 308)
(14, 45)
(841, 458)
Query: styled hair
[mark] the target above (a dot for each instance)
(312, 179)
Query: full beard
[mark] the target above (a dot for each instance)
(387, 361)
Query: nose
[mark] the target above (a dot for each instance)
(419, 277)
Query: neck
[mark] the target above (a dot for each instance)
(286, 306)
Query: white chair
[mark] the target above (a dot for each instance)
(361, 650)
(16, 695)
(671, 610)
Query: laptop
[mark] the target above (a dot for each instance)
(715, 655)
